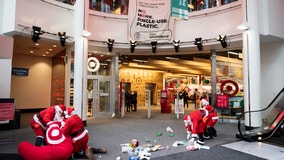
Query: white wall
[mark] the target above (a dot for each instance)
(272, 74)
(49, 17)
(34, 90)
(7, 15)
(5, 77)
(271, 19)
(6, 54)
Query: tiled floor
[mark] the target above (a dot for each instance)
(258, 149)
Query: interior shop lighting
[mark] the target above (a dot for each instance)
(132, 46)
(62, 36)
(172, 58)
(154, 46)
(234, 53)
(198, 43)
(139, 60)
(86, 33)
(243, 26)
(222, 40)
(36, 33)
(176, 45)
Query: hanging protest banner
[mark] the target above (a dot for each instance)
(149, 20)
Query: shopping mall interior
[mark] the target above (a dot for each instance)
(52, 61)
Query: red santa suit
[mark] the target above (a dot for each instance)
(208, 118)
(40, 121)
(74, 127)
(194, 123)
(209, 121)
(59, 147)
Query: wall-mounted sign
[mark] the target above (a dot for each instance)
(93, 64)
(179, 9)
(20, 71)
(7, 109)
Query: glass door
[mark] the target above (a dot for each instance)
(100, 105)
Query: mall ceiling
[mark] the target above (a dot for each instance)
(188, 61)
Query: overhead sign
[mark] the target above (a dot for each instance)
(20, 71)
(149, 20)
(179, 9)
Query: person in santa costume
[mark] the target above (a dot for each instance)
(209, 125)
(194, 124)
(40, 121)
(210, 120)
(74, 126)
(58, 146)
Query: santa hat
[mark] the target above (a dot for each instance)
(53, 134)
(60, 108)
(204, 102)
(69, 112)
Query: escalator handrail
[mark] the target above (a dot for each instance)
(276, 127)
(260, 110)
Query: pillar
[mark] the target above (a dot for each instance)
(252, 66)
(80, 56)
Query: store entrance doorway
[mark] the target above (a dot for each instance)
(151, 87)
(99, 97)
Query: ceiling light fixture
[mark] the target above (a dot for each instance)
(176, 45)
(36, 33)
(139, 60)
(222, 41)
(132, 46)
(86, 33)
(243, 26)
(198, 43)
(62, 36)
(110, 44)
(154, 46)
(172, 58)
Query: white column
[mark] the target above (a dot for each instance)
(252, 66)
(5, 77)
(80, 54)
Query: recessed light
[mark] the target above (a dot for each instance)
(47, 52)
(54, 45)
(50, 49)
(31, 51)
(37, 44)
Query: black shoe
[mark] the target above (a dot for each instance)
(39, 141)
(99, 150)
(200, 141)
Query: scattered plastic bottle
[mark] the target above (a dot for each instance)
(147, 140)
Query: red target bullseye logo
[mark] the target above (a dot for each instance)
(229, 88)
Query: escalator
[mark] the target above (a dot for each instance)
(272, 126)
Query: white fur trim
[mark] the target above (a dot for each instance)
(215, 117)
(204, 103)
(206, 113)
(58, 109)
(194, 136)
(38, 122)
(81, 135)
